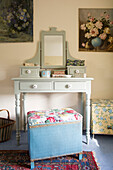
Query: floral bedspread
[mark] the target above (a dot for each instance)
(53, 115)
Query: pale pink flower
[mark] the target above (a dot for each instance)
(92, 19)
(89, 14)
(103, 36)
(83, 44)
(98, 24)
(83, 27)
(94, 32)
(107, 16)
(111, 22)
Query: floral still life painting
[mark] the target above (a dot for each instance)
(16, 21)
(96, 30)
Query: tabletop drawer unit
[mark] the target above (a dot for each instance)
(77, 71)
(70, 86)
(33, 86)
(29, 71)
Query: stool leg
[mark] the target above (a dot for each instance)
(32, 165)
(80, 156)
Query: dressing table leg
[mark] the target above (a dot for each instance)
(23, 100)
(17, 109)
(82, 108)
(87, 118)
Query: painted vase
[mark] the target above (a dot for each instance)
(96, 42)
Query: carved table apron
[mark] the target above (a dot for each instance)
(51, 85)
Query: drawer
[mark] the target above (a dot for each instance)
(77, 71)
(65, 86)
(35, 86)
(29, 71)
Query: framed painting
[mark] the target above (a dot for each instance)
(96, 29)
(16, 21)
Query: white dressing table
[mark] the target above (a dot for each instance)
(51, 85)
(52, 54)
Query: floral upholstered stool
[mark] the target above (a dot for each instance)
(53, 133)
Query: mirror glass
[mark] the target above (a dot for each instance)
(53, 50)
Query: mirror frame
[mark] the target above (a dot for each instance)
(52, 32)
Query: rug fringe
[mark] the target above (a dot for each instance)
(95, 159)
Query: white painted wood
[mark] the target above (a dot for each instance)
(52, 85)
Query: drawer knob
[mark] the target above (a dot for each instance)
(76, 71)
(68, 86)
(28, 71)
(34, 86)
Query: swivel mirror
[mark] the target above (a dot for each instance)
(52, 50)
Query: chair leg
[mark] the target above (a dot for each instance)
(32, 165)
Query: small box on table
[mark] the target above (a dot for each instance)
(54, 133)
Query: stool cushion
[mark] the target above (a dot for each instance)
(53, 115)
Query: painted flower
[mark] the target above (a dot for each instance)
(88, 35)
(99, 24)
(89, 14)
(13, 31)
(94, 32)
(24, 10)
(111, 22)
(83, 44)
(90, 25)
(83, 27)
(107, 16)
(107, 30)
(110, 39)
(21, 17)
(92, 19)
(103, 36)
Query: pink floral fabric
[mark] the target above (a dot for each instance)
(53, 115)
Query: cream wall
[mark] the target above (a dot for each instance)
(62, 14)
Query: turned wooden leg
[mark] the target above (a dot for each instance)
(87, 118)
(24, 113)
(17, 109)
(82, 108)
